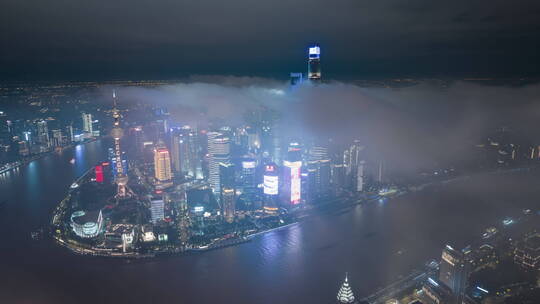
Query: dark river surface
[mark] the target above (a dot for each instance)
(303, 263)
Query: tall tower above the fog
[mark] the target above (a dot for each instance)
(314, 63)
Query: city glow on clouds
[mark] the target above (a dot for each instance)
(442, 117)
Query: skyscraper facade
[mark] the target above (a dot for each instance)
(271, 187)
(162, 165)
(248, 177)
(218, 152)
(57, 138)
(87, 123)
(314, 63)
(43, 135)
(228, 191)
(175, 151)
(292, 182)
(453, 272)
(157, 210)
(353, 159)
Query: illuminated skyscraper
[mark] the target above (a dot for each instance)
(87, 123)
(345, 294)
(69, 134)
(292, 182)
(57, 138)
(314, 63)
(43, 135)
(354, 165)
(453, 272)
(175, 151)
(184, 154)
(117, 133)
(228, 192)
(248, 177)
(157, 210)
(162, 165)
(218, 152)
(271, 187)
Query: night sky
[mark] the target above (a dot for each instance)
(145, 39)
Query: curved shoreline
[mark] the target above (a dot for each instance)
(314, 210)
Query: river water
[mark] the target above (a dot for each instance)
(303, 263)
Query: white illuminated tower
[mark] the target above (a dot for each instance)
(314, 63)
(345, 294)
(117, 133)
(218, 152)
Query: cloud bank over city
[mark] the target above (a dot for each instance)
(422, 124)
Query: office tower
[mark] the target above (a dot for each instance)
(23, 148)
(319, 172)
(56, 138)
(337, 176)
(359, 177)
(184, 154)
(267, 139)
(228, 199)
(270, 187)
(87, 123)
(175, 151)
(292, 182)
(227, 174)
(527, 253)
(314, 63)
(157, 210)
(317, 153)
(453, 272)
(296, 79)
(162, 165)
(138, 136)
(117, 133)
(193, 155)
(319, 176)
(248, 177)
(380, 172)
(69, 134)
(254, 141)
(353, 159)
(345, 294)
(218, 152)
(43, 135)
(228, 192)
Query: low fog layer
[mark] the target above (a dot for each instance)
(427, 124)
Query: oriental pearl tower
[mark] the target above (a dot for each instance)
(117, 133)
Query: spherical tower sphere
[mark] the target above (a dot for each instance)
(117, 133)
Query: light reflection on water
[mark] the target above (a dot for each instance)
(303, 263)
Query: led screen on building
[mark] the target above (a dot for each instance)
(295, 185)
(295, 180)
(99, 174)
(270, 185)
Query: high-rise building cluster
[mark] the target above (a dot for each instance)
(25, 139)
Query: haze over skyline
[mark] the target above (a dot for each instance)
(97, 40)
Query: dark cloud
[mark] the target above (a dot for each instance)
(167, 39)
